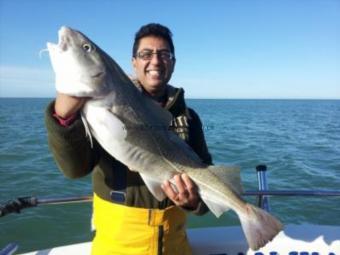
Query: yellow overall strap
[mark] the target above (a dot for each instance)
(123, 230)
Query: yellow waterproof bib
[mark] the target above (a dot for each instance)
(124, 230)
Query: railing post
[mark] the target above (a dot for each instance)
(9, 249)
(262, 200)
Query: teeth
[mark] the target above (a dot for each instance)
(153, 72)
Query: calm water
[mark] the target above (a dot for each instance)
(299, 141)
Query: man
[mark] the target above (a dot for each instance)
(127, 218)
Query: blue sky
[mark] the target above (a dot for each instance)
(224, 49)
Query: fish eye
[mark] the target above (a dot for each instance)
(87, 47)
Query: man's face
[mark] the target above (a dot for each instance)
(153, 70)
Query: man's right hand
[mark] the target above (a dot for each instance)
(65, 106)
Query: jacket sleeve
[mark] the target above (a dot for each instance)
(69, 146)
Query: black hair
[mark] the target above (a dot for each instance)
(153, 29)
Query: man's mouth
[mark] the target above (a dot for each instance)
(154, 72)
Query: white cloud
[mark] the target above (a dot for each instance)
(23, 81)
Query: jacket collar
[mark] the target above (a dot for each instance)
(174, 98)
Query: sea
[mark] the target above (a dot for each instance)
(298, 141)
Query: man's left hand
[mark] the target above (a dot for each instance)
(184, 194)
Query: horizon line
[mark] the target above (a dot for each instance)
(195, 98)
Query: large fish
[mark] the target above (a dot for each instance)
(135, 130)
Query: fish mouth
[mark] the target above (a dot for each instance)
(63, 40)
(51, 46)
(64, 34)
(64, 30)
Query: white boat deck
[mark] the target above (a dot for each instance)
(295, 239)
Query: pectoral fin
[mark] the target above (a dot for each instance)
(87, 129)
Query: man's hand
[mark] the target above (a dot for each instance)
(65, 105)
(185, 194)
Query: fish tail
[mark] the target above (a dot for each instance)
(259, 226)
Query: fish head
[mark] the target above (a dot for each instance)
(78, 64)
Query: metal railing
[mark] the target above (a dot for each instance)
(263, 194)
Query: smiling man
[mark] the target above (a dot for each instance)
(127, 218)
(153, 61)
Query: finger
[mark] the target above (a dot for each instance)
(183, 193)
(179, 184)
(189, 184)
(169, 191)
(193, 197)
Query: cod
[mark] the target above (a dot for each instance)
(135, 131)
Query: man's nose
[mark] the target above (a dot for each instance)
(155, 58)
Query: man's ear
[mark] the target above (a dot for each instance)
(133, 60)
(173, 65)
